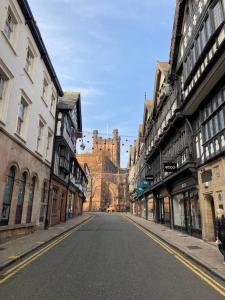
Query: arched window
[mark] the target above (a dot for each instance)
(7, 198)
(20, 198)
(30, 200)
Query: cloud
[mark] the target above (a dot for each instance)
(107, 49)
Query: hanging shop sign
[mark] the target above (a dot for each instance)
(139, 190)
(145, 183)
(170, 167)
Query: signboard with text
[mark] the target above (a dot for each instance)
(170, 167)
(149, 177)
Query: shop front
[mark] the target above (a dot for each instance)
(186, 207)
(163, 207)
(138, 208)
(143, 208)
(151, 213)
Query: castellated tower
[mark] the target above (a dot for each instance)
(110, 146)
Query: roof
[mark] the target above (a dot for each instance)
(148, 104)
(68, 100)
(163, 66)
(30, 21)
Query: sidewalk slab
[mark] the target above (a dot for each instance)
(18, 248)
(205, 254)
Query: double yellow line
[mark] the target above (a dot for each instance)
(12, 271)
(204, 276)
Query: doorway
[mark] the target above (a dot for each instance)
(210, 217)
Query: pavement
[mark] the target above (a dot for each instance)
(14, 250)
(104, 259)
(205, 254)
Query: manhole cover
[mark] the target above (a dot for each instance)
(193, 247)
(1, 248)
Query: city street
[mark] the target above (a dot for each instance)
(106, 258)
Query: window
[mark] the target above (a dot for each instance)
(221, 119)
(20, 198)
(199, 46)
(10, 23)
(49, 146)
(45, 88)
(2, 81)
(40, 135)
(219, 98)
(193, 54)
(208, 27)
(203, 37)
(44, 199)
(217, 14)
(216, 124)
(53, 101)
(21, 116)
(29, 60)
(55, 200)
(30, 200)
(7, 198)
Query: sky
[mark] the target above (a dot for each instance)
(107, 50)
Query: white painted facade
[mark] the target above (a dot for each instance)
(21, 83)
(28, 98)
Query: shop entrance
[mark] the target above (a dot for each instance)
(164, 211)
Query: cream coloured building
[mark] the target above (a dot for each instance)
(29, 90)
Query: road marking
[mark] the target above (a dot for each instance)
(187, 262)
(12, 271)
(14, 257)
(40, 242)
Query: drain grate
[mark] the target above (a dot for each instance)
(1, 248)
(193, 247)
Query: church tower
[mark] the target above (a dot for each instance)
(110, 146)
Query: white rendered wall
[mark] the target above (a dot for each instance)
(14, 58)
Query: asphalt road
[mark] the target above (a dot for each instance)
(107, 258)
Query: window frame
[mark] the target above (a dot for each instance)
(23, 134)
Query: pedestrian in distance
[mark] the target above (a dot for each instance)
(220, 231)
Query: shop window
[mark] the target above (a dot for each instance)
(178, 209)
(7, 197)
(20, 198)
(195, 211)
